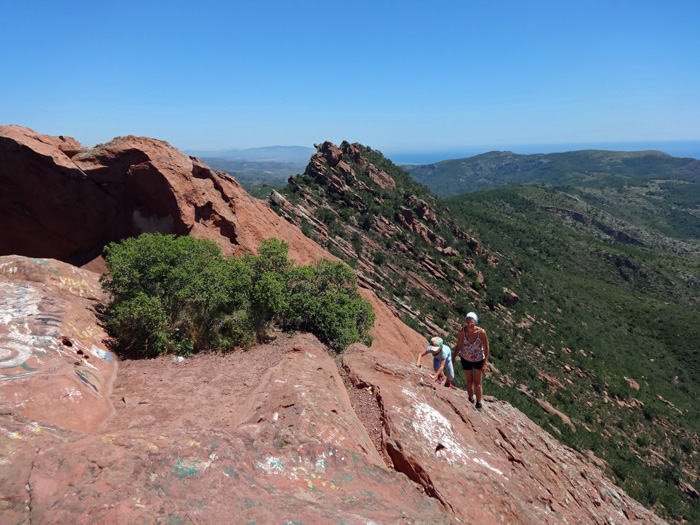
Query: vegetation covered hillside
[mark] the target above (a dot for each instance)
(589, 167)
(592, 314)
(607, 331)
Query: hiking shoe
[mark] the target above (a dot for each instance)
(478, 406)
(450, 386)
(472, 400)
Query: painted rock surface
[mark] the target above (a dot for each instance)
(54, 365)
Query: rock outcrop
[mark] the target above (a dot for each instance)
(220, 438)
(131, 185)
(213, 440)
(494, 466)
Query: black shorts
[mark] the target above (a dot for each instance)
(471, 365)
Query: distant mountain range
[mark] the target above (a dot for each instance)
(255, 167)
(283, 154)
(504, 168)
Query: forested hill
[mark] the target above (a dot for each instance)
(504, 168)
(590, 297)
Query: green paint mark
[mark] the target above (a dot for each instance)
(295, 522)
(175, 519)
(323, 464)
(249, 503)
(355, 458)
(251, 523)
(228, 452)
(366, 470)
(276, 463)
(366, 493)
(27, 368)
(182, 471)
(199, 503)
(230, 472)
(41, 262)
(345, 477)
(214, 445)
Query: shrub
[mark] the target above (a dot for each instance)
(268, 294)
(379, 258)
(180, 295)
(167, 290)
(323, 299)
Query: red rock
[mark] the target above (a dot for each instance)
(633, 383)
(55, 366)
(312, 463)
(507, 468)
(381, 178)
(510, 298)
(331, 153)
(354, 152)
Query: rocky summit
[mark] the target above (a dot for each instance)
(286, 432)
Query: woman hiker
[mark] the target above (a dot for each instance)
(473, 350)
(442, 360)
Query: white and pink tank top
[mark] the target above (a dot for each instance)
(474, 351)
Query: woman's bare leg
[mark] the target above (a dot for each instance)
(477, 385)
(469, 376)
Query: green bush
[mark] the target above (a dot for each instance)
(379, 258)
(169, 290)
(180, 295)
(324, 300)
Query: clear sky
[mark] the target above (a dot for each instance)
(396, 76)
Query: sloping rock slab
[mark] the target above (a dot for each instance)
(54, 366)
(491, 467)
(294, 452)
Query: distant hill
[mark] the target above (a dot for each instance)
(253, 174)
(587, 279)
(255, 167)
(281, 154)
(594, 167)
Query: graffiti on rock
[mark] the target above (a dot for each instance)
(31, 324)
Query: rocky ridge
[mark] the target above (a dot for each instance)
(385, 219)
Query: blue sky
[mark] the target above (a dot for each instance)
(397, 76)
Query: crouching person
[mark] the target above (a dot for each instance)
(442, 361)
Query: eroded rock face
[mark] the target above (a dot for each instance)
(54, 365)
(493, 466)
(128, 186)
(48, 207)
(131, 185)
